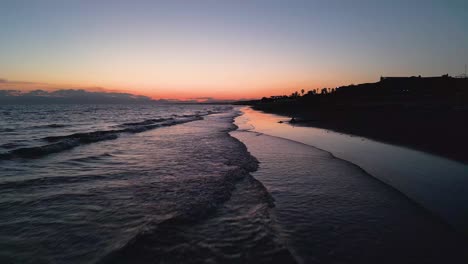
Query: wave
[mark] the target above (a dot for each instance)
(11, 145)
(87, 137)
(50, 181)
(146, 122)
(66, 142)
(92, 158)
(234, 206)
(7, 129)
(139, 127)
(216, 229)
(159, 217)
(35, 152)
(51, 126)
(161, 241)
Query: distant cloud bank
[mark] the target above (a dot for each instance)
(70, 96)
(24, 92)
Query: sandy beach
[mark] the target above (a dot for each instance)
(329, 210)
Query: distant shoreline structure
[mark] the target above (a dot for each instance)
(445, 76)
(400, 78)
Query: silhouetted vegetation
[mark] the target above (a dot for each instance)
(429, 113)
(437, 90)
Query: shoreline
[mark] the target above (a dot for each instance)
(317, 175)
(404, 169)
(414, 130)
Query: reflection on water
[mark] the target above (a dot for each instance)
(439, 184)
(159, 191)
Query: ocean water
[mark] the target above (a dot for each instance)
(184, 184)
(129, 184)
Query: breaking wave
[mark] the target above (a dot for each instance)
(200, 230)
(61, 143)
(178, 196)
(53, 125)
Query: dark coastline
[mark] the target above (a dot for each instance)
(440, 133)
(306, 168)
(427, 114)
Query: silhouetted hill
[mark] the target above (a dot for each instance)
(429, 113)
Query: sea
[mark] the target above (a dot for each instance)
(182, 183)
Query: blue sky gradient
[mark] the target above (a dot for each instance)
(228, 48)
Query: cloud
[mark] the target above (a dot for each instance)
(202, 98)
(24, 92)
(66, 96)
(4, 82)
(207, 99)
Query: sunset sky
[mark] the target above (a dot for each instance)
(226, 49)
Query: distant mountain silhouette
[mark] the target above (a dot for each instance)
(71, 96)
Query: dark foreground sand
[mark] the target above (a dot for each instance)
(441, 131)
(331, 211)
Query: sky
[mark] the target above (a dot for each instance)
(226, 49)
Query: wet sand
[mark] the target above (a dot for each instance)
(331, 211)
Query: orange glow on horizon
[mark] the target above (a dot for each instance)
(232, 91)
(228, 92)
